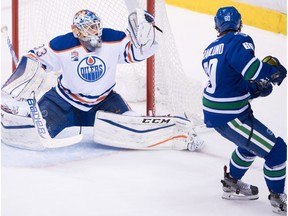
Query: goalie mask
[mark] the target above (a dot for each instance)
(87, 27)
(228, 18)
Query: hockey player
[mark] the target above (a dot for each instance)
(87, 58)
(235, 77)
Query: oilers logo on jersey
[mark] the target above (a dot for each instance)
(91, 69)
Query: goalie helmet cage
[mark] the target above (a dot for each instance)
(160, 80)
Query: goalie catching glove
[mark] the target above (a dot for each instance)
(141, 29)
(28, 77)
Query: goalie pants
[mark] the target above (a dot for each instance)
(254, 139)
(59, 114)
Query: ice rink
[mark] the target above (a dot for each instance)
(88, 179)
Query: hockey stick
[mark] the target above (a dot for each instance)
(9, 44)
(40, 126)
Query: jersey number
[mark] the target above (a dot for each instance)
(40, 51)
(210, 69)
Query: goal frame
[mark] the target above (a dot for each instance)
(150, 86)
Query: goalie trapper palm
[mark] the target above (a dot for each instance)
(141, 28)
(236, 189)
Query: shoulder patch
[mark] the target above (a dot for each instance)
(64, 42)
(111, 35)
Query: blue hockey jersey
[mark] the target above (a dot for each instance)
(230, 63)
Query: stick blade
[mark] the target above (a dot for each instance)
(63, 142)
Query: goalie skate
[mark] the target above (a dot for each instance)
(194, 142)
(236, 189)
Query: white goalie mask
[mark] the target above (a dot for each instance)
(87, 27)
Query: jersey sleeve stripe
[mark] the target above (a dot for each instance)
(252, 69)
(129, 54)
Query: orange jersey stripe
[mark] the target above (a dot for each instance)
(81, 99)
(128, 53)
(87, 102)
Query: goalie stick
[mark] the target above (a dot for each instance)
(9, 44)
(40, 126)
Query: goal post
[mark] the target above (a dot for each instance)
(15, 28)
(150, 87)
(159, 81)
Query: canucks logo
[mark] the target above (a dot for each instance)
(91, 69)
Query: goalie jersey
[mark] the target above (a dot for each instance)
(87, 77)
(229, 62)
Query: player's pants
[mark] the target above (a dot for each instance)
(59, 114)
(254, 139)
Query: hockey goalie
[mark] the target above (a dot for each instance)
(84, 95)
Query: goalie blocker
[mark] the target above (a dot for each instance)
(28, 77)
(144, 132)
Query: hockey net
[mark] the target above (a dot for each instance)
(174, 93)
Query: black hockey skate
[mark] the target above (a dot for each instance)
(278, 202)
(236, 189)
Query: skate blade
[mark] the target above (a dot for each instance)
(278, 210)
(234, 196)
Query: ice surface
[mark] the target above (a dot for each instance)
(93, 180)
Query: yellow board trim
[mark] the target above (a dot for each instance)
(251, 15)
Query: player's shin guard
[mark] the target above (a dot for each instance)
(275, 167)
(240, 161)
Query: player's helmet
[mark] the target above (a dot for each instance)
(87, 26)
(228, 18)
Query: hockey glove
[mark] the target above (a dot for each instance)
(28, 78)
(260, 88)
(278, 77)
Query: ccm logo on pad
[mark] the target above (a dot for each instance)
(160, 120)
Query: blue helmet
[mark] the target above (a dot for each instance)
(228, 18)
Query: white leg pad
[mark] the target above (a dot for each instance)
(19, 131)
(31, 133)
(142, 132)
